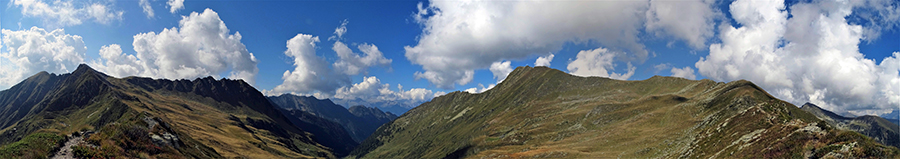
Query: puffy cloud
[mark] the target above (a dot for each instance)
(34, 50)
(459, 37)
(598, 62)
(351, 63)
(202, 46)
(371, 90)
(501, 69)
(811, 57)
(690, 20)
(148, 10)
(544, 60)
(175, 5)
(480, 88)
(62, 13)
(117, 63)
(311, 73)
(686, 72)
(447, 79)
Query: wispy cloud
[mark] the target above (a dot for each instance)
(62, 13)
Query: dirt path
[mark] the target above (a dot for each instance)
(66, 151)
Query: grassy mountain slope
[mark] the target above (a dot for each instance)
(142, 117)
(542, 112)
(880, 129)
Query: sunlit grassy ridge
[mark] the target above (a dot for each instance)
(142, 117)
(542, 112)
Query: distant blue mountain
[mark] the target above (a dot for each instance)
(894, 116)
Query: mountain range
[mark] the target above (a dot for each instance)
(359, 121)
(143, 117)
(880, 129)
(541, 112)
(534, 113)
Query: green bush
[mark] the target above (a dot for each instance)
(36, 145)
(83, 151)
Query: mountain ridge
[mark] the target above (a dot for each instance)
(359, 121)
(137, 116)
(882, 130)
(543, 112)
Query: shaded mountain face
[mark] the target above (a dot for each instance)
(326, 132)
(372, 114)
(395, 107)
(542, 112)
(894, 116)
(359, 121)
(880, 129)
(133, 117)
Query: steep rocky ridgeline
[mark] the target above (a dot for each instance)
(546, 113)
(148, 118)
(880, 129)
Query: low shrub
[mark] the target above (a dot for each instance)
(36, 145)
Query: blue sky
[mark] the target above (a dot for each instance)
(430, 54)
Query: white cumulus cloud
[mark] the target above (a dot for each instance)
(598, 62)
(312, 75)
(813, 56)
(544, 60)
(371, 90)
(201, 46)
(311, 72)
(480, 88)
(34, 50)
(690, 20)
(352, 63)
(175, 5)
(500, 69)
(61, 13)
(686, 72)
(461, 36)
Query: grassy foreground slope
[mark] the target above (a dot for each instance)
(137, 117)
(542, 112)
